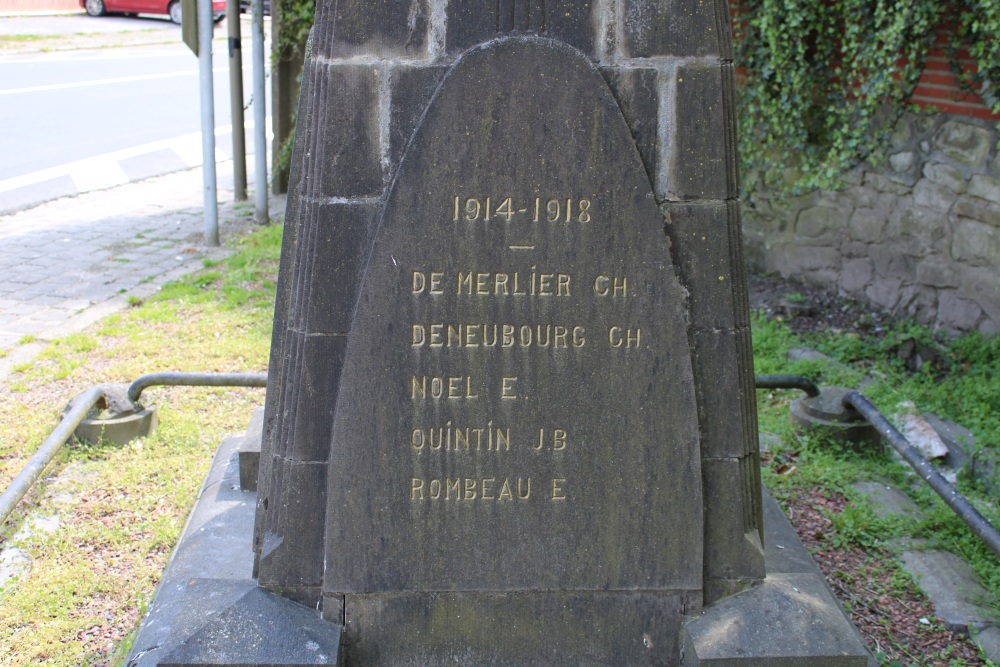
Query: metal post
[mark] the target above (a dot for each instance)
(205, 26)
(236, 100)
(259, 113)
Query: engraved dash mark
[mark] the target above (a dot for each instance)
(522, 247)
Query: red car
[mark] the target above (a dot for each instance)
(171, 8)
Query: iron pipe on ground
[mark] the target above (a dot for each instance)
(24, 480)
(787, 382)
(196, 380)
(956, 501)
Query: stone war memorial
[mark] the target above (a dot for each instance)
(510, 415)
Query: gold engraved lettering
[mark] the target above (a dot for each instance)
(578, 338)
(451, 438)
(473, 488)
(507, 387)
(482, 283)
(430, 282)
(441, 387)
(475, 209)
(613, 286)
(627, 338)
(558, 442)
(558, 492)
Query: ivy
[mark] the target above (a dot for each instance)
(826, 80)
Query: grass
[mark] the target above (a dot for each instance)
(122, 508)
(962, 384)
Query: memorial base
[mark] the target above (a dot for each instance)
(208, 611)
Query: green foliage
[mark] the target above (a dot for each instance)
(826, 81)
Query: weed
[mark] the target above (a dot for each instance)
(25, 339)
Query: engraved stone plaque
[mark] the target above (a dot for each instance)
(516, 411)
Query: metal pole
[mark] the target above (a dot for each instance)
(259, 113)
(787, 382)
(205, 26)
(236, 100)
(170, 379)
(956, 501)
(13, 494)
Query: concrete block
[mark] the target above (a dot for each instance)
(959, 599)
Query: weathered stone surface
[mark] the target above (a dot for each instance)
(887, 500)
(960, 313)
(820, 220)
(383, 27)
(936, 272)
(676, 28)
(959, 599)
(499, 452)
(978, 210)
(412, 88)
(514, 628)
(933, 196)
(473, 21)
(635, 90)
(945, 175)
(963, 142)
(883, 184)
(985, 187)
(348, 150)
(902, 162)
(791, 619)
(856, 274)
(976, 243)
(702, 163)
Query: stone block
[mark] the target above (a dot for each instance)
(889, 263)
(902, 162)
(822, 221)
(636, 92)
(936, 272)
(985, 187)
(734, 550)
(702, 245)
(956, 312)
(886, 500)
(790, 620)
(976, 243)
(855, 275)
(473, 21)
(347, 153)
(882, 183)
(978, 210)
(960, 601)
(884, 292)
(867, 225)
(676, 28)
(701, 161)
(862, 196)
(930, 195)
(945, 175)
(917, 231)
(723, 433)
(963, 142)
(380, 28)
(412, 88)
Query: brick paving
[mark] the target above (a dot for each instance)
(70, 262)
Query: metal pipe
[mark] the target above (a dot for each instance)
(261, 215)
(205, 26)
(236, 100)
(956, 501)
(195, 380)
(787, 382)
(13, 494)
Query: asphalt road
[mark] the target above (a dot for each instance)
(79, 120)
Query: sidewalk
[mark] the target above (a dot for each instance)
(70, 262)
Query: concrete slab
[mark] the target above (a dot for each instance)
(959, 599)
(888, 500)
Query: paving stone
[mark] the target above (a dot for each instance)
(959, 599)
(888, 500)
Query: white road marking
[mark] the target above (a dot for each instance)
(103, 171)
(102, 82)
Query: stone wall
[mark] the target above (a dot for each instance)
(919, 236)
